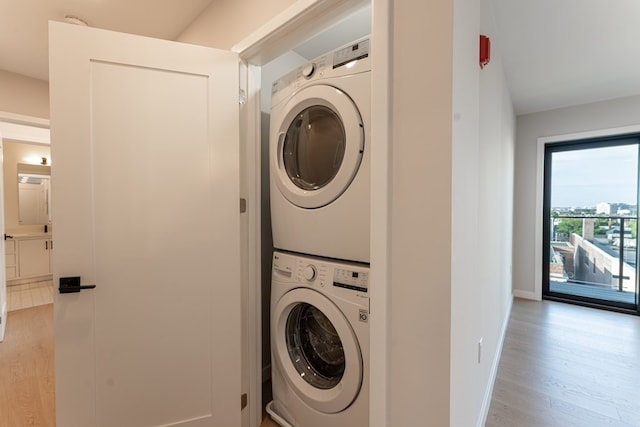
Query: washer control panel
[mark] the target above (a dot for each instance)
(317, 272)
(311, 271)
(351, 279)
(320, 272)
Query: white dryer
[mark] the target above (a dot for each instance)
(319, 342)
(319, 156)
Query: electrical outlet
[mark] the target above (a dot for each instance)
(480, 350)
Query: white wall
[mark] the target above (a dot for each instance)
(495, 219)
(225, 23)
(419, 254)
(23, 95)
(590, 117)
(482, 170)
(466, 276)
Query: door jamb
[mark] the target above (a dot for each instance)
(271, 40)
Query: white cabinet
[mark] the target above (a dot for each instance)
(34, 257)
(11, 259)
(28, 256)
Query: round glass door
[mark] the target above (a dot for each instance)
(316, 350)
(314, 347)
(314, 147)
(317, 146)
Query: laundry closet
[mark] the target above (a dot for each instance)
(315, 184)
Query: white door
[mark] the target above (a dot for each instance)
(145, 179)
(3, 272)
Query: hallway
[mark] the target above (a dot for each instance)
(562, 365)
(565, 365)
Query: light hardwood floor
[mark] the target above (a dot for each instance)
(27, 369)
(565, 365)
(562, 365)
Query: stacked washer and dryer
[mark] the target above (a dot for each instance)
(319, 185)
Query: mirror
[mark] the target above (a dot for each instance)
(34, 203)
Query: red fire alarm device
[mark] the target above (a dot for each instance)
(485, 50)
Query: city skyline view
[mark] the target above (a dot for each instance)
(585, 178)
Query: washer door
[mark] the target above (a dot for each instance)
(317, 350)
(319, 146)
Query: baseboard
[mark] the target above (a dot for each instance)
(524, 294)
(486, 403)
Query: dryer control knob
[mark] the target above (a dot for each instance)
(309, 272)
(309, 69)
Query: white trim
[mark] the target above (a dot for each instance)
(276, 37)
(518, 293)
(6, 116)
(255, 253)
(25, 132)
(381, 78)
(542, 141)
(486, 402)
(291, 27)
(537, 256)
(250, 190)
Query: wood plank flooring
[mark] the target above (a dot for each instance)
(562, 365)
(565, 365)
(27, 392)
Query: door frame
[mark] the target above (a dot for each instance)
(283, 32)
(609, 141)
(538, 242)
(24, 129)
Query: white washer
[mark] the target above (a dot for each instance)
(319, 156)
(319, 342)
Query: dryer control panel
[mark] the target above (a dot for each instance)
(351, 53)
(347, 60)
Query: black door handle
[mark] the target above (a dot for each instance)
(6, 236)
(70, 285)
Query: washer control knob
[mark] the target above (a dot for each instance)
(309, 272)
(309, 69)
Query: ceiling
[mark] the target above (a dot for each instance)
(23, 25)
(558, 53)
(555, 53)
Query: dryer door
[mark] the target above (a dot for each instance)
(317, 350)
(319, 146)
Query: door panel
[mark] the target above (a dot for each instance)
(145, 205)
(590, 218)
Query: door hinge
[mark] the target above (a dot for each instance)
(242, 80)
(243, 205)
(243, 401)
